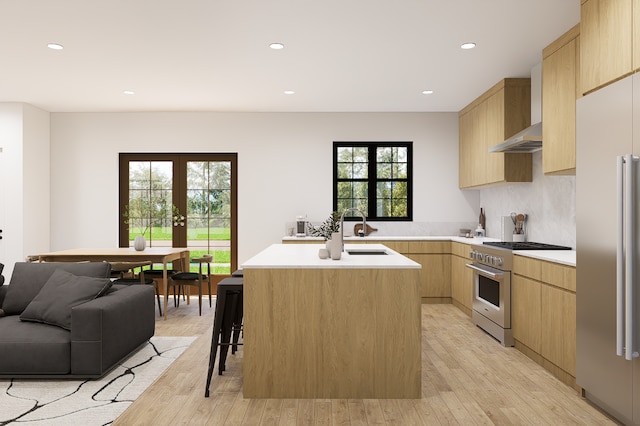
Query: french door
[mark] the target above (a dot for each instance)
(181, 200)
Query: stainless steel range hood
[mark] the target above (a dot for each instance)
(527, 140)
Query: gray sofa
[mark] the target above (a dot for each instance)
(66, 320)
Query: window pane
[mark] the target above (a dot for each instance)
(345, 171)
(384, 171)
(360, 171)
(345, 155)
(400, 170)
(399, 190)
(361, 154)
(383, 207)
(399, 208)
(150, 195)
(400, 155)
(384, 154)
(209, 211)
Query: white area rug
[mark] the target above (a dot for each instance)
(88, 402)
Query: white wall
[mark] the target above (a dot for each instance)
(284, 167)
(549, 202)
(24, 183)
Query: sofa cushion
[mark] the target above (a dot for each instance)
(28, 278)
(31, 348)
(52, 305)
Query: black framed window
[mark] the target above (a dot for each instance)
(374, 177)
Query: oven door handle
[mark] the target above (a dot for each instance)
(495, 275)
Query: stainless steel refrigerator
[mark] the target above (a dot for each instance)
(608, 247)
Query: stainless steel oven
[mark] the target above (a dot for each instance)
(492, 266)
(492, 292)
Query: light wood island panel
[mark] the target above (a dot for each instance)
(332, 332)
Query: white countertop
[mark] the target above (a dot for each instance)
(280, 256)
(565, 257)
(398, 238)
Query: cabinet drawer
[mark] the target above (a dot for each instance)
(429, 247)
(559, 275)
(399, 246)
(461, 250)
(527, 267)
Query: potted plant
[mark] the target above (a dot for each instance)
(327, 228)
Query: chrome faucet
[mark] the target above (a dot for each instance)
(364, 223)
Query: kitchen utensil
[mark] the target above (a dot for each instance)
(513, 217)
(358, 227)
(519, 221)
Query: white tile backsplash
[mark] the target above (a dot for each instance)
(549, 203)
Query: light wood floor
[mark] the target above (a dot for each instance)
(468, 379)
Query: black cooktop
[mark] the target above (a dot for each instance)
(512, 245)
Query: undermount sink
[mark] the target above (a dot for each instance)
(366, 251)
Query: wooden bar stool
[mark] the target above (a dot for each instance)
(227, 322)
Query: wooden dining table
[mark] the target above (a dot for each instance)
(162, 255)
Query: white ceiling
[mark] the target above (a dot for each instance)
(214, 55)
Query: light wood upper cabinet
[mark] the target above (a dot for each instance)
(499, 113)
(560, 65)
(607, 42)
(636, 35)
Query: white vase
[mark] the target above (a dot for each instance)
(336, 246)
(139, 243)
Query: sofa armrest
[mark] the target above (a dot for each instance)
(107, 329)
(3, 292)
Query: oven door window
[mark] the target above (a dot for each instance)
(489, 290)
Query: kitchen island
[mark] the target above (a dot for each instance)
(322, 328)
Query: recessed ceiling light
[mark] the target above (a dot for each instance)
(427, 92)
(128, 92)
(289, 92)
(276, 46)
(467, 46)
(55, 46)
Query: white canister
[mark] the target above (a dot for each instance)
(507, 227)
(519, 238)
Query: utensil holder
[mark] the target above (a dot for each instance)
(519, 238)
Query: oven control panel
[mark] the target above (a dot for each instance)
(487, 259)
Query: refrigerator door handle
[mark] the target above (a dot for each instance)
(629, 256)
(620, 257)
(625, 255)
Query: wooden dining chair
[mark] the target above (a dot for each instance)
(124, 273)
(198, 279)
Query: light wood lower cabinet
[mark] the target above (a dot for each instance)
(558, 320)
(435, 275)
(461, 278)
(525, 311)
(544, 315)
